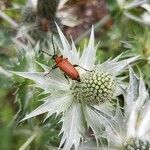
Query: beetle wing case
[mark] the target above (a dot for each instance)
(68, 69)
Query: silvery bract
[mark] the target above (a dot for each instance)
(82, 104)
(133, 127)
(126, 6)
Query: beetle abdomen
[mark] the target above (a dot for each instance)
(68, 69)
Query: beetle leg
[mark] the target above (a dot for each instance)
(53, 67)
(75, 65)
(66, 77)
(82, 68)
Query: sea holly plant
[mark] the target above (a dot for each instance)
(26, 57)
(82, 104)
(132, 130)
(128, 7)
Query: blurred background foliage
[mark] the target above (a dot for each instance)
(119, 27)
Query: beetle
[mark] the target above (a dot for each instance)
(64, 65)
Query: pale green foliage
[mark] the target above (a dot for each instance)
(84, 126)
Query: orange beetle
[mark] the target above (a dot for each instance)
(69, 69)
(64, 65)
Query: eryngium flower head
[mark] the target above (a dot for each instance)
(133, 130)
(97, 88)
(84, 103)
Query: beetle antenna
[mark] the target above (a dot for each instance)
(53, 45)
(46, 53)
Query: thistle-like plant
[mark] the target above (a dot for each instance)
(133, 130)
(82, 104)
(25, 60)
(127, 6)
